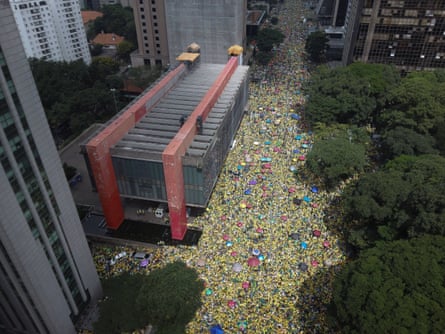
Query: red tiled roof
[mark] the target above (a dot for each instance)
(108, 39)
(90, 15)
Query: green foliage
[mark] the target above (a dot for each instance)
(118, 311)
(404, 141)
(170, 297)
(396, 287)
(403, 200)
(345, 131)
(339, 96)
(74, 95)
(263, 58)
(316, 46)
(96, 49)
(101, 67)
(143, 76)
(124, 49)
(116, 19)
(336, 159)
(267, 38)
(418, 103)
(350, 95)
(380, 78)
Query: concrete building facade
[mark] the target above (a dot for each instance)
(170, 143)
(47, 275)
(409, 34)
(51, 30)
(151, 31)
(214, 24)
(165, 27)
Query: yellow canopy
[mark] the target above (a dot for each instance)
(235, 50)
(187, 56)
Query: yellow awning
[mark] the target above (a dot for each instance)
(235, 50)
(187, 56)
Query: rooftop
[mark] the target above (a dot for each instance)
(90, 15)
(108, 39)
(152, 134)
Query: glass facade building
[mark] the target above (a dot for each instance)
(409, 34)
(47, 276)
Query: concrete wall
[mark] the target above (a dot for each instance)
(25, 252)
(214, 24)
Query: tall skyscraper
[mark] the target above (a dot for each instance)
(407, 33)
(166, 27)
(51, 29)
(47, 275)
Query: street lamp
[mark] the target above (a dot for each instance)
(113, 91)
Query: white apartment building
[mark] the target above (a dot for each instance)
(51, 29)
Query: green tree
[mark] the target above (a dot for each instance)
(116, 19)
(101, 67)
(170, 297)
(353, 94)
(118, 310)
(403, 141)
(96, 49)
(263, 58)
(418, 103)
(404, 199)
(336, 159)
(124, 49)
(396, 287)
(380, 77)
(267, 38)
(316, 46)
(339, 96)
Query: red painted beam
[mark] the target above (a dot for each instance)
(173, 153)
(98, 148)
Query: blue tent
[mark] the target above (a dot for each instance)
(216, 329)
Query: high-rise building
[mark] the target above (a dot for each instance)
(165, 27)
(47, 275)
(407, 33)
(51, 29)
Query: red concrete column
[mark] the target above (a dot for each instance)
(98, 148)
(173, 153)
(103, 171)
(174, 181)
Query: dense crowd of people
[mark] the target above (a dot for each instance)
(266, 255)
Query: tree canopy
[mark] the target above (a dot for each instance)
(118, 312)
(418, 103)
(166, 298)
(402, 200)
(339, 96)
(267, 38)
(349, 95)
(395, 287)
(336, 159)
(316, 46)
(170, 297)
(116, 19)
